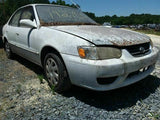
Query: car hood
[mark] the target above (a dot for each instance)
(100, 35)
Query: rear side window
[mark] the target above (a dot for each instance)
(15, 19)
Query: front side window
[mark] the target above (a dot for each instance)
(15, 19)
(28, 13)
(25, 13)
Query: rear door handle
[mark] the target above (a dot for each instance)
(17, 34)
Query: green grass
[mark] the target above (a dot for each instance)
(19, 88)
(148, 32)
(40, 77)
(1, 108)
(52, 89)
(155, 116)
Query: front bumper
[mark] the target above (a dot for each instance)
(85, 73)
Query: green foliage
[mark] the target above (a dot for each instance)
(9, 6)
(61, 2)
(40, 77)
(150, 31)
(19, 88)
(133, 19)
(53, 89)
(154, 116)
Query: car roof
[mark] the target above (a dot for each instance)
(44, 4)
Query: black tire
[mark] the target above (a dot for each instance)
(8, 51)
(62, 82)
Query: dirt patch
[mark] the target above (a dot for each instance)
(155, 39)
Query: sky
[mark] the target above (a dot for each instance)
(118, 7)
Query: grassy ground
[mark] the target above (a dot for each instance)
(148, 32)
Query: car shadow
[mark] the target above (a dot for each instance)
(109, 100)
(1, 43)
(35, 68)
(119, 98)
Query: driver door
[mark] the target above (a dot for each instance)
(25, 35)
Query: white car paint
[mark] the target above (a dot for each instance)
(29, 43)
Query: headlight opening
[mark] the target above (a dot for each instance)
(99, 53)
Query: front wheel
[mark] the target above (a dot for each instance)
(8, 51)
(56, 73)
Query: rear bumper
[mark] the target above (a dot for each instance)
(85, 73)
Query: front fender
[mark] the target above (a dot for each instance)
(63, 42)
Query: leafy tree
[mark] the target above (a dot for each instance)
(9, 6)
(133, 19)
(61, 2)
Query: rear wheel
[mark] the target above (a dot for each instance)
(8, 51)
(56, 73)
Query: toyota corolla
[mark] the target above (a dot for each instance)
(74, 49)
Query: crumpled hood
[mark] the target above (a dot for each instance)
(100, 35)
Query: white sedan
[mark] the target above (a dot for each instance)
(74, 49)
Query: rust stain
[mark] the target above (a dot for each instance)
(100, 35)
(124, 43)
(61, 23)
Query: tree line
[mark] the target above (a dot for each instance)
(7, 7)
(133, 19)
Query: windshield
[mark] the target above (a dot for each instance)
(60, 15)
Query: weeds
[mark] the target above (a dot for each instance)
(155, 116)
(40, 77)
(1, 108)
(148, 31)
(52, 89)
(19, 88)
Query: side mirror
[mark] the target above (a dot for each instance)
(28, 23)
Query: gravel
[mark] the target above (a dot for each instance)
(24, 96)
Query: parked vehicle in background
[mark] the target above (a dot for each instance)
(157, 27)
(74, 49)
(107, 24)
(151, 26)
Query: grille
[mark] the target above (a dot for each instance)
(139, 50)
(139, 71)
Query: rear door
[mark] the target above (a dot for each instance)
(11, 30)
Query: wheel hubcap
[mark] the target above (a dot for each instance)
(52, 71)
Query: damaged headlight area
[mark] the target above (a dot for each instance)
(99, 53)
